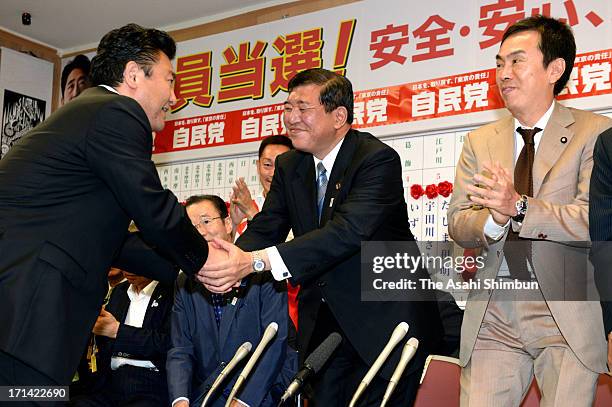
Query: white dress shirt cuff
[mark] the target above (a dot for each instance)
(242, 403)
(179, 399)
(494, 231)
(278, 269)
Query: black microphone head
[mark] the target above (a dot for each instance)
(319, 356)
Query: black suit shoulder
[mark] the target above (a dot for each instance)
(292, 159)
(600, 222)
(361, 153)
(96, 103)
(119, 301)
(98, 97)
(368, 146)
(360, 145)
(122, 288)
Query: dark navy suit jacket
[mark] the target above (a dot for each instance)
(600, 222)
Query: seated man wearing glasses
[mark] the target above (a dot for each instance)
(207, 328)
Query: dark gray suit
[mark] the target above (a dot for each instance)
(600, 222)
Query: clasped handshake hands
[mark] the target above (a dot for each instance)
(493, 188)
(225, 266)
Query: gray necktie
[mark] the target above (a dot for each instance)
(321, 187)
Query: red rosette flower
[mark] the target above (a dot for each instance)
(431, 191)
(416, 191)
(445, 188)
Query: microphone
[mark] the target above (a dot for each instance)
(268, 334)
(312, 365)
(408, 352)
(398, 334)
(240, 354)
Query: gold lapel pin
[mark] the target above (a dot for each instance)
(338, 185)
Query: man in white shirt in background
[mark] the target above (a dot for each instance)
(132, 354)
(244, 206)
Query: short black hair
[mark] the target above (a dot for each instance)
(337, 90)
(129, 43)
(273, 141)
(556, 41)
(216, 200)
(79, 62)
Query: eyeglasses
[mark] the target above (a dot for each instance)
(205, 221)
(288, 109)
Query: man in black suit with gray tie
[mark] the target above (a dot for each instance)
(339, 188)
(68, 190)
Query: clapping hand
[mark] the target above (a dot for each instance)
(494, 189)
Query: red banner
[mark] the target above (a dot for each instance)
(434, 98)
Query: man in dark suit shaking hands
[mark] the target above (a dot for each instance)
(340, 187)
(67, 193)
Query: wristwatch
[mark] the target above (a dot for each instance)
(521, 209)
(258, 264)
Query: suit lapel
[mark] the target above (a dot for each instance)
(205, 313)
(501, 147)
(120, 307)
(550, 147)
(154, 302)
(303, 187)
(341, 165)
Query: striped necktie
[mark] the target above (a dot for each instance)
(321, 187)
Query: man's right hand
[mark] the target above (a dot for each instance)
(227, 266)
(181, 403)
(106, 325)
(494, 189)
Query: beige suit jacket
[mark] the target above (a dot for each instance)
(558, 212)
